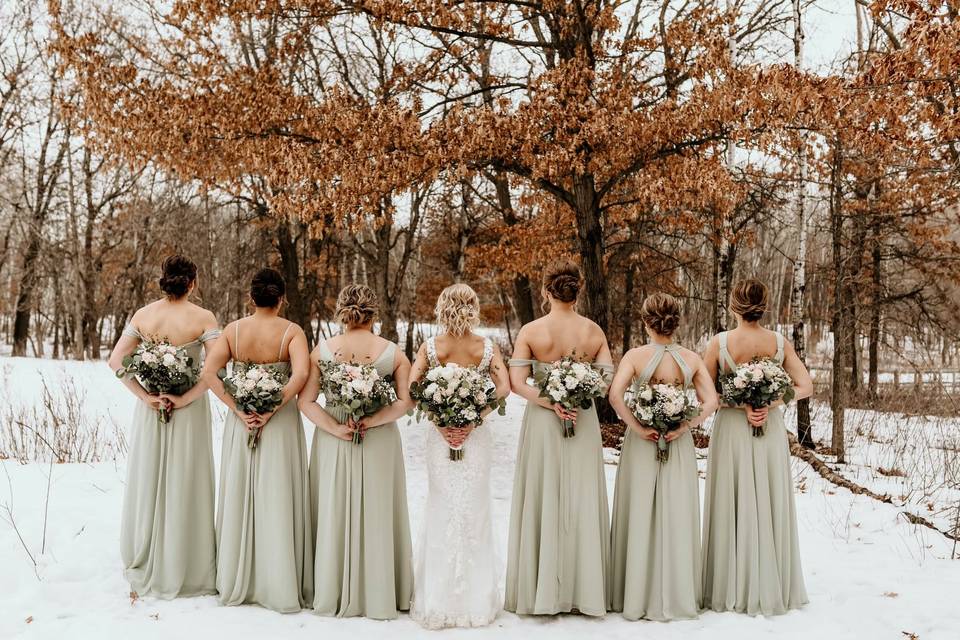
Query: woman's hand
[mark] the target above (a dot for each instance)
(264, 418)
(249, 420)
(172, 401)
(343, 431)
(648, 433)
(757, 417)
(155, 402)
(670, 436)
(565, 414)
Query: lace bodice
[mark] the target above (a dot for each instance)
(484, 364)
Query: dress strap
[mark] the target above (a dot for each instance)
(132, 332)
(674, 351)
(779, 356)
(521, 362)
(652, 364)
(283, 339)
(210, 334)
(725, 357)
(432, 359)
(236, 340)
(487, 355)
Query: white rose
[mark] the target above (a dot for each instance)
(169, 360)
(647, 394)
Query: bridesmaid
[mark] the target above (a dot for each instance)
(559, 542)
(751, 554)
(358, 493)
(166, 532)
(263, 517)
(656, 506)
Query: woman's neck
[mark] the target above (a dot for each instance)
(356, 329)
(656, 338)
(558, 308)
(266, 312)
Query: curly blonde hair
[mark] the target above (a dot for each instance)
(356, 305)
(458, 309)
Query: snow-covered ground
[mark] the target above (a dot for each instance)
(870, 574)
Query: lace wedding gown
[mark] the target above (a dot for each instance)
(456, 574)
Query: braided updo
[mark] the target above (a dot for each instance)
(661, 313)
(356, 305)
(458, 309)
(749, 299)
(562, 280)
(179, 272)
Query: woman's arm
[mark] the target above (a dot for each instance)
(125, 346)
(621, 381)
(706, 395)
(403, 403)
(802, 382)
(308, 405)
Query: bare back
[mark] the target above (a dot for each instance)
(746, 343)
(179, 322)
(466, 351)
(554, 336)
(260, 340)
(668, 371)
(363, 347)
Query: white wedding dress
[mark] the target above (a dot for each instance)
(457, 568)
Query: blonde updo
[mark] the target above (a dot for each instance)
(458, 309)
(356, 305)
(749, 299)
(661, 313)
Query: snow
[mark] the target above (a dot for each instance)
(869, 573)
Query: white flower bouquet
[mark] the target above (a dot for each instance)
(358, 389)
(452, 397)
(758, 383)
(255, 388)
(572, 384)
(663, 407)
(160, 367)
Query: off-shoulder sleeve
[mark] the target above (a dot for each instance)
(132, 332)
(520, 362)
(211, 334)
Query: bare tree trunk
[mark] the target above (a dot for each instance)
(841, 303)
(628, 309)
(591, 249)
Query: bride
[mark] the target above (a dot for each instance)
(455, 579)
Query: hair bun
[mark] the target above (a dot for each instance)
(179, 272)
(661, 313)
(749, 299)
(267, 288)
(562, 280)
(356, 305)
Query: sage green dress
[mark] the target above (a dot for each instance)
(656, 522)
(166, 531)
(263, 518)
(358, 495)
(751, 552)
(559, 541)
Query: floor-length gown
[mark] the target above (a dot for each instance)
(457, 568)
(358, 497)
(167, 538)
(559, 544)
(751, 552)
(656, 522)
(263, 519)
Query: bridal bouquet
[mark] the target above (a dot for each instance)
(663, 407)
(161, 368)
(452, 397)
(758, 383)
(572, 384)
(255, 388)
(358, 389)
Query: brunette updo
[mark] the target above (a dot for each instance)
(749, 299)
(356, 305)
(562, 280)
(179, 272)
(661, 313)
(267, 288)
(458, 309)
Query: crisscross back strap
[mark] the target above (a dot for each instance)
(726, 360)
(657, 358)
